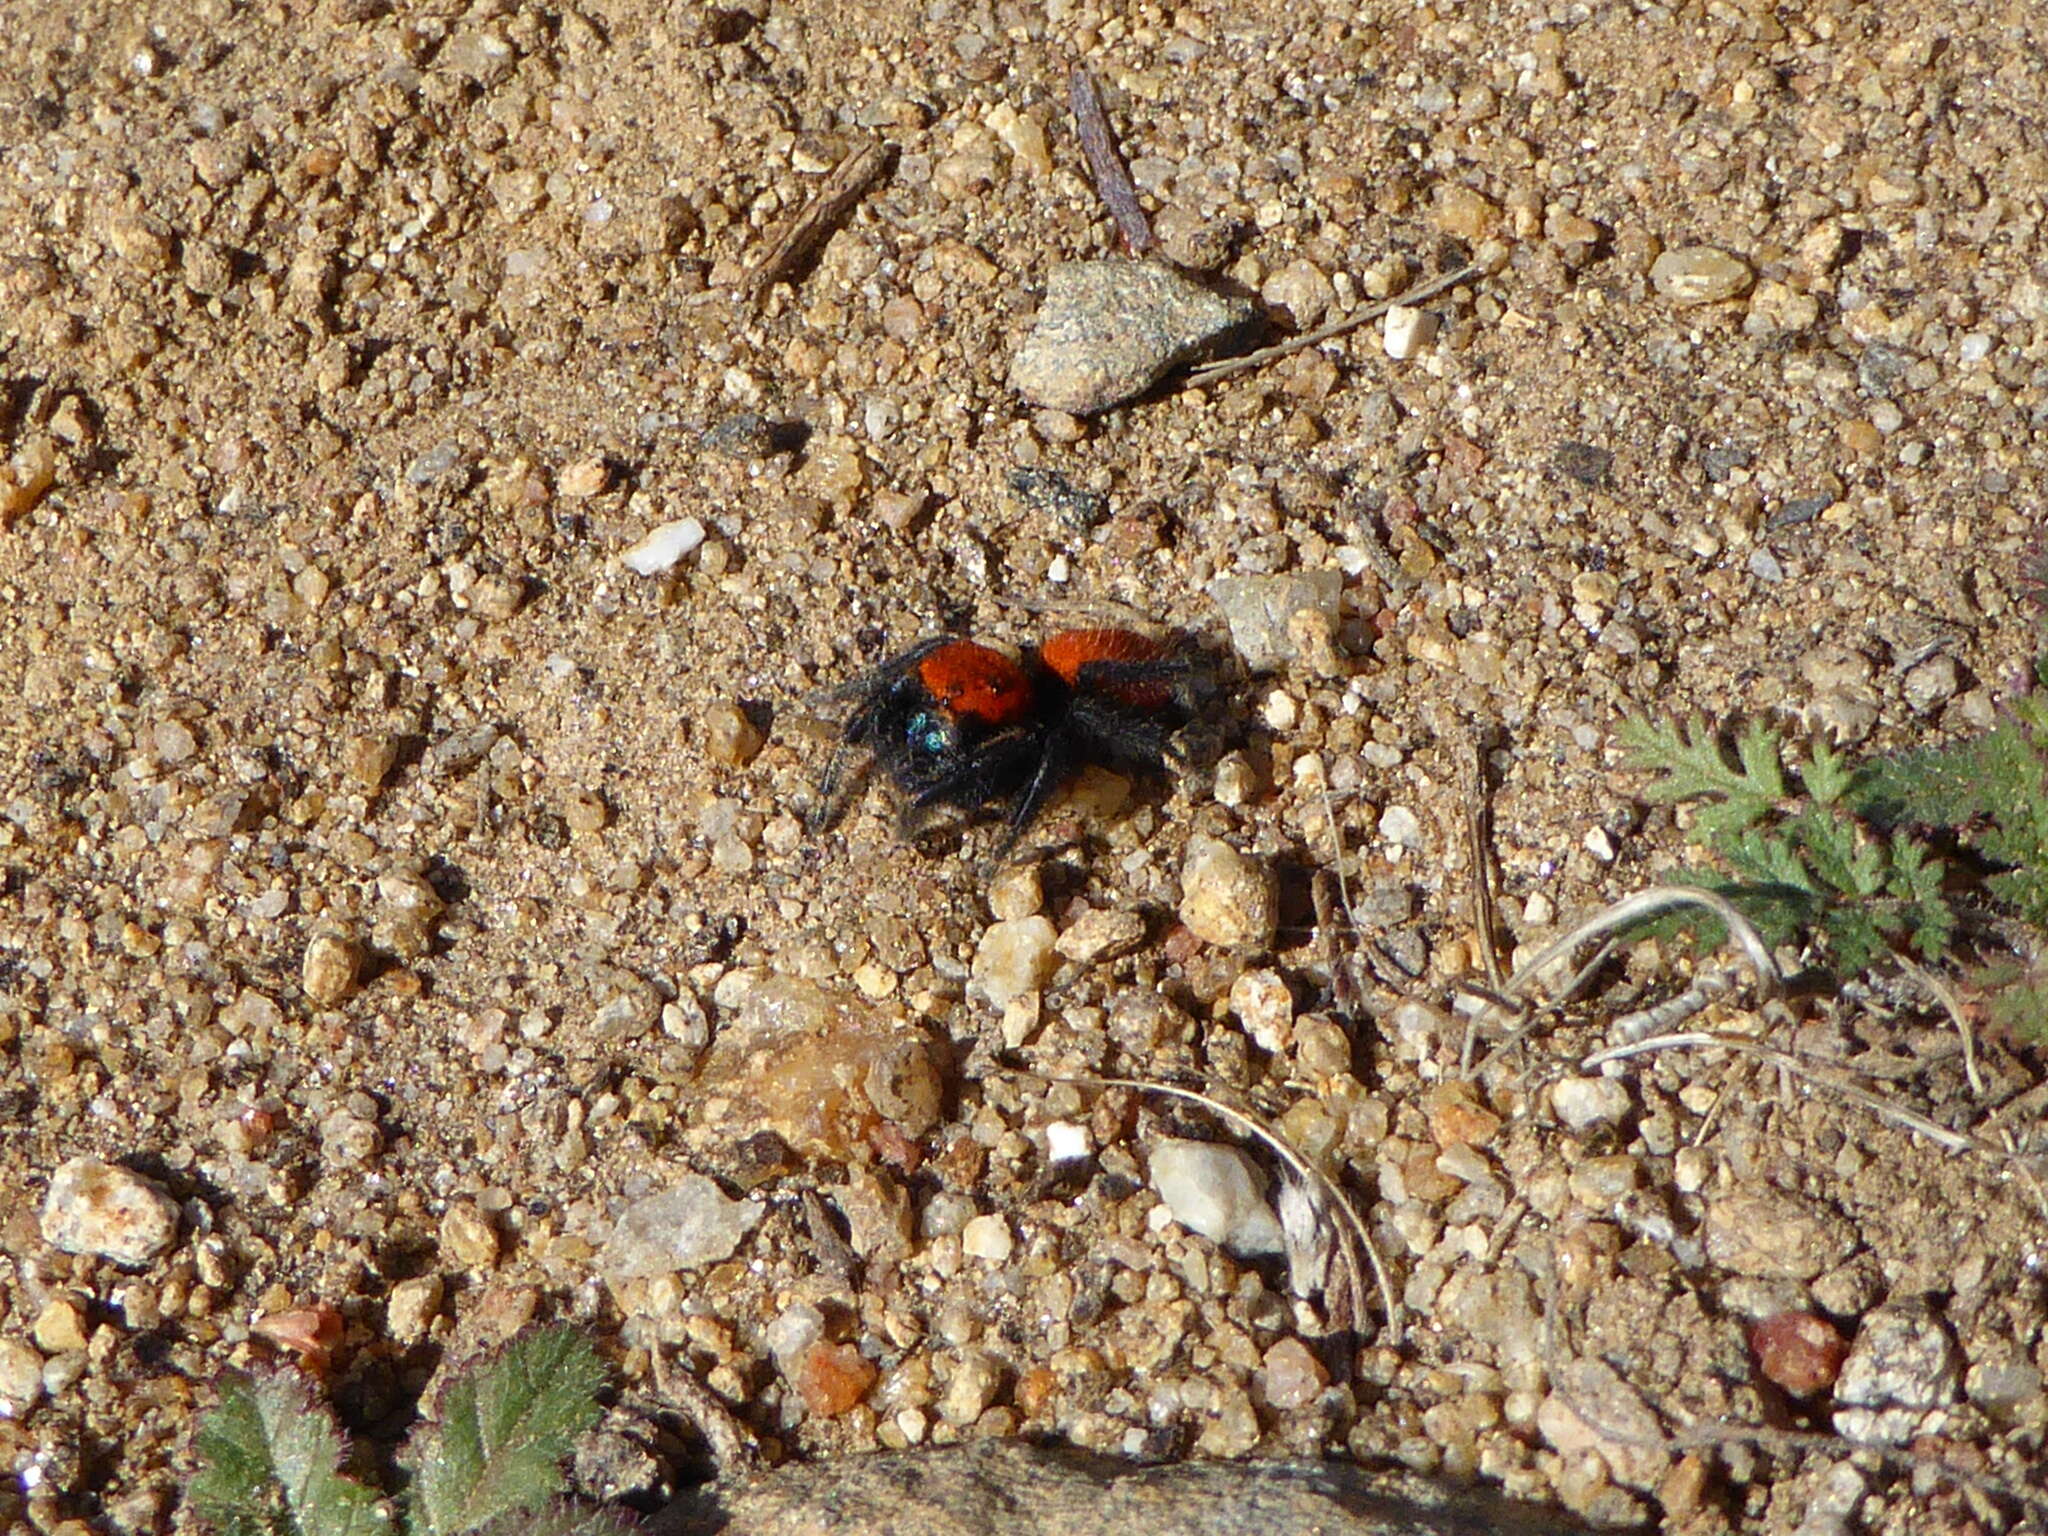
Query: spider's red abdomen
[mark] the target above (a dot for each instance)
(976, 682)
(1067, 652)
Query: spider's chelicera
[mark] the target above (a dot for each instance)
(955, 723)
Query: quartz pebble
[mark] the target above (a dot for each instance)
(1406, 330)
(987, 1237)
(412, 1307)
(689, 1224)
(1260, 610)
(1699, 274)
(1110, 330)
(1227, 897)
(976, 1380)
(661, 550)
(821, 1065)
(1585, 1102)
(730, 738)
(468, 1241)
(1902, 1365)
(328, 971)
(103, 1209)
(1014, 958)
(1217, 1191)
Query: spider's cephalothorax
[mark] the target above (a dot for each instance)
(957, 723)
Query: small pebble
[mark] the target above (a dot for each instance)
(103, 1209)
(496, 595)
(1585, 1102)
(1227, 897)
(1260, 609)
(1699, 274)
(834, 1378)
(730, 738)
(328, 972)
(1218, 1191)
(21, 1378)
(1014, 958)
(1099, 934)
(1264, 1005)
(1406, 330)
(1110, 330)
(468, 1240)
(976, 1380)
(1800, 1351)
(368, 760)
(412, 1307)
(1902, 1366)
(1016, 892)
(661, 550)
(1774, 1236)
(62, 1325)
(1291, 1375)
(987, 1237)
(585, 478)
(683, 1227)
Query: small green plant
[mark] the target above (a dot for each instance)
(490, 1462)
(1805, 855)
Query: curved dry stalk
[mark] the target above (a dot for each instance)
(1877, 1104)
(1952, 1005)
(1608, 920)
(1323, 1189)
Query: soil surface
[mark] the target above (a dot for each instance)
(384, 858)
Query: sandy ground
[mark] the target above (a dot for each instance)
(348, 346)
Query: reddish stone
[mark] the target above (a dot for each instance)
(1800, 1351)
(833, 1378)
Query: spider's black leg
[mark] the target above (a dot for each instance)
(979, 778)
(1056, 764)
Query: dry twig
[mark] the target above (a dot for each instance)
(1230, 367)
(1106, 163)
(829, 205)
(1326, 1200)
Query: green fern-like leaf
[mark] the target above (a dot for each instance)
(504, 1429)
(269, 1466)
(1827, 776)
(1991, 790)
(1693, 768)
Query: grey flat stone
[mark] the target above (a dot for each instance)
(1110, 330)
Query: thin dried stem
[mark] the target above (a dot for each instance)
(1303, 1170)
(1621, 914)
(1952, 1005)
(828, 207)
(1230, 367)
(1805, 1071)
(1106, 163)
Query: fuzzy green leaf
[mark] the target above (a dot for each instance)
(269, 1458)
(504, 1429)
(1849, 865)
(1690, 759)
(1827, 775)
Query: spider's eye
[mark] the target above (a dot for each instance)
(931, 734)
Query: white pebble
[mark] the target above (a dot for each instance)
(1408, 330)
(1584, 1102)
(1217, 1191)
(987, 1237)
(660, 550)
